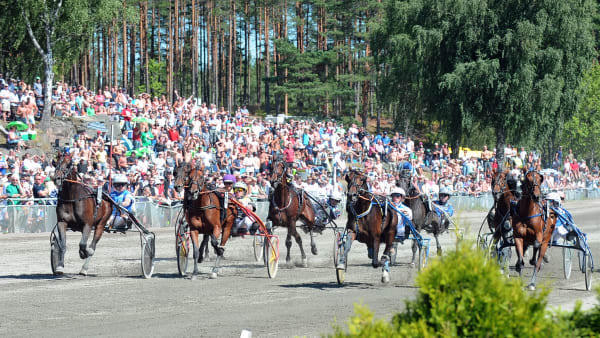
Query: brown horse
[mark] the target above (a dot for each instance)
(419, 206)
(288, 205)
(77, 209)
(370, 221)
(202, 210)
(532, 224)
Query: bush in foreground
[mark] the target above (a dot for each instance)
(464, 294)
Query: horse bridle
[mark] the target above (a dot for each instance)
(195, 181)
(530, 186)
(502, 187)
(60, 173)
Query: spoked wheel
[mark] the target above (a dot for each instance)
(258, 242)
(148, 249)
(587, 261)
(182, 246)
(581, 257)
(423, 256)
(337, 241)
(567, 261)
(54, 252)
(340, 251)
(271, 255)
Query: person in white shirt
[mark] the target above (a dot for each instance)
(404, 212)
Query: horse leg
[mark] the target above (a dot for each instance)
(219, 249)
(385, 258)
(519, 249)
(299, 242)
(288, 245)
(375, 259)
(83, 249)
(196, 247)
(203, 249)
(437, 244)
(62, 246)
(313, 245)
(91, 249)
(341, 265)
(414, 253)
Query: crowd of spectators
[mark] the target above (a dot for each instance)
(159, 135)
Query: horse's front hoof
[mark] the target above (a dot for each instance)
(314, 250)
(90, 252)
(412, 265)
(532, 261)
(213, 275)
(83, 254)
(60, 270)
(83, 272)
(385, 277)
(305, 262)
(531, 287)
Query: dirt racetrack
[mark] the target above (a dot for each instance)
(115, 301)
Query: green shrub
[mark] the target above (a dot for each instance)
(463, 294)
(583, 323)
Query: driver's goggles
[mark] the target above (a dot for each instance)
(239, 189)
(396, 195)
(119, 185)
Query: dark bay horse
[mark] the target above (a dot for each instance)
(414, 200)
(287, 205)
(203, 210)
(532, 224)
(77, 209)
(370, 221)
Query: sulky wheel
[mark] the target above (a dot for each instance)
(148, 250)
(258, 243)
(587, 262)
(182, 246)
(337, 241)
(340, 250)
(54, 252)
(271, 255)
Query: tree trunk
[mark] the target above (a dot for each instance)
(267, 64)
(500, 144)
(125, 54)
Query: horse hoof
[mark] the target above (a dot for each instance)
(213, 275)
(314, 250)
(532, 262)
(90, 252)
(412, 265)
(531, 287)
(304, 262)
(385, 278)
(59, 270)
(83, 254)
(83, 272)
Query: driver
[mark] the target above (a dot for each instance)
(398, 196)
(242, 222)
(442, 208)
(565, 225)
(334, 200)
(120, 221)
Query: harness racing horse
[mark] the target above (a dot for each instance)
(204, 213)
(414, 200)
(287, 205)
(532, 224)
(504, 193)
(370, 221)
(77, 209)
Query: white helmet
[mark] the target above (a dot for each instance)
(445, 191)
(398, 190)
(553, 196)
(120, 179)
(240, 185)
(335, 195)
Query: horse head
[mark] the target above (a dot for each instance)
(196, 180)
(182, 173)
(64, 168)
(532, 185)
(277, 174)
(356, 181)
(499, 185)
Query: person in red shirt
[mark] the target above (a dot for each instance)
(288, 154)
(173, 134)
(137, 137)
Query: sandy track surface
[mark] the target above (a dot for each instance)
(115, 301)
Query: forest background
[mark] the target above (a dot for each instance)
(469, 72)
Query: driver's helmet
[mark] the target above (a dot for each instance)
(398, 191)
(240, 186)
(445, 191)
(336, 196)
(229, 179)
(553, 197)
(120, 179)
